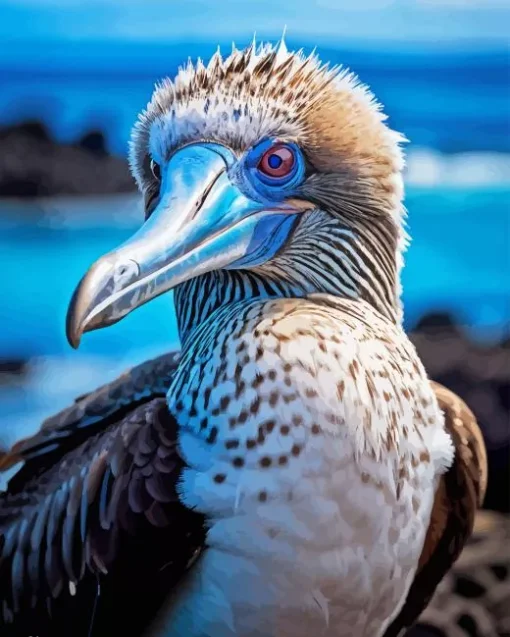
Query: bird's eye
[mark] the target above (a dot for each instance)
(156, 170)
(277, 162)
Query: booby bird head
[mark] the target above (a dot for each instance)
(266, 163)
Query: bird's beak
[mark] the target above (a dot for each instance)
(203, 222)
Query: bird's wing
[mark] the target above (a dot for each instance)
(71, 520)
(89, 414)
(460, 493)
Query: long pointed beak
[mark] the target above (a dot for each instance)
(203, 222)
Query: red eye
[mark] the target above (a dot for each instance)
(278, 161)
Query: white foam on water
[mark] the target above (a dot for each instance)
(429, 168)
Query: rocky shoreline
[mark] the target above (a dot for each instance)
(33, 164)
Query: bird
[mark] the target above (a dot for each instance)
(291, 470)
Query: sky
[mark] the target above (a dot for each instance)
(433, 21)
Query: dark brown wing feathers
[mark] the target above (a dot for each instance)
(459, 494)
(69, 520)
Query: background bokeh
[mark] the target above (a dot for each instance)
(73, 77)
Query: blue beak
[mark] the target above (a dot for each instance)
(203, 222)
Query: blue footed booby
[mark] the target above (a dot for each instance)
(292, 471)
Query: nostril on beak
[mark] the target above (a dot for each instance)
(124, 273)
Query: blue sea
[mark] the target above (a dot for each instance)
(453, 106)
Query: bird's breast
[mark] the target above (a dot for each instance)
(309, 529)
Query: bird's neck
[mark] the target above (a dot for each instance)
(323, 256)
(197, 299)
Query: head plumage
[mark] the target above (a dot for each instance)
(268, 91)
(353, 159)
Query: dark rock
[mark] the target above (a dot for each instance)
(13, 370)
(441, 323)
(32, 164)
(422, 630)
(13, 366)
(31, 129)
(28, 187)
(480, 374)
(95, 143)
